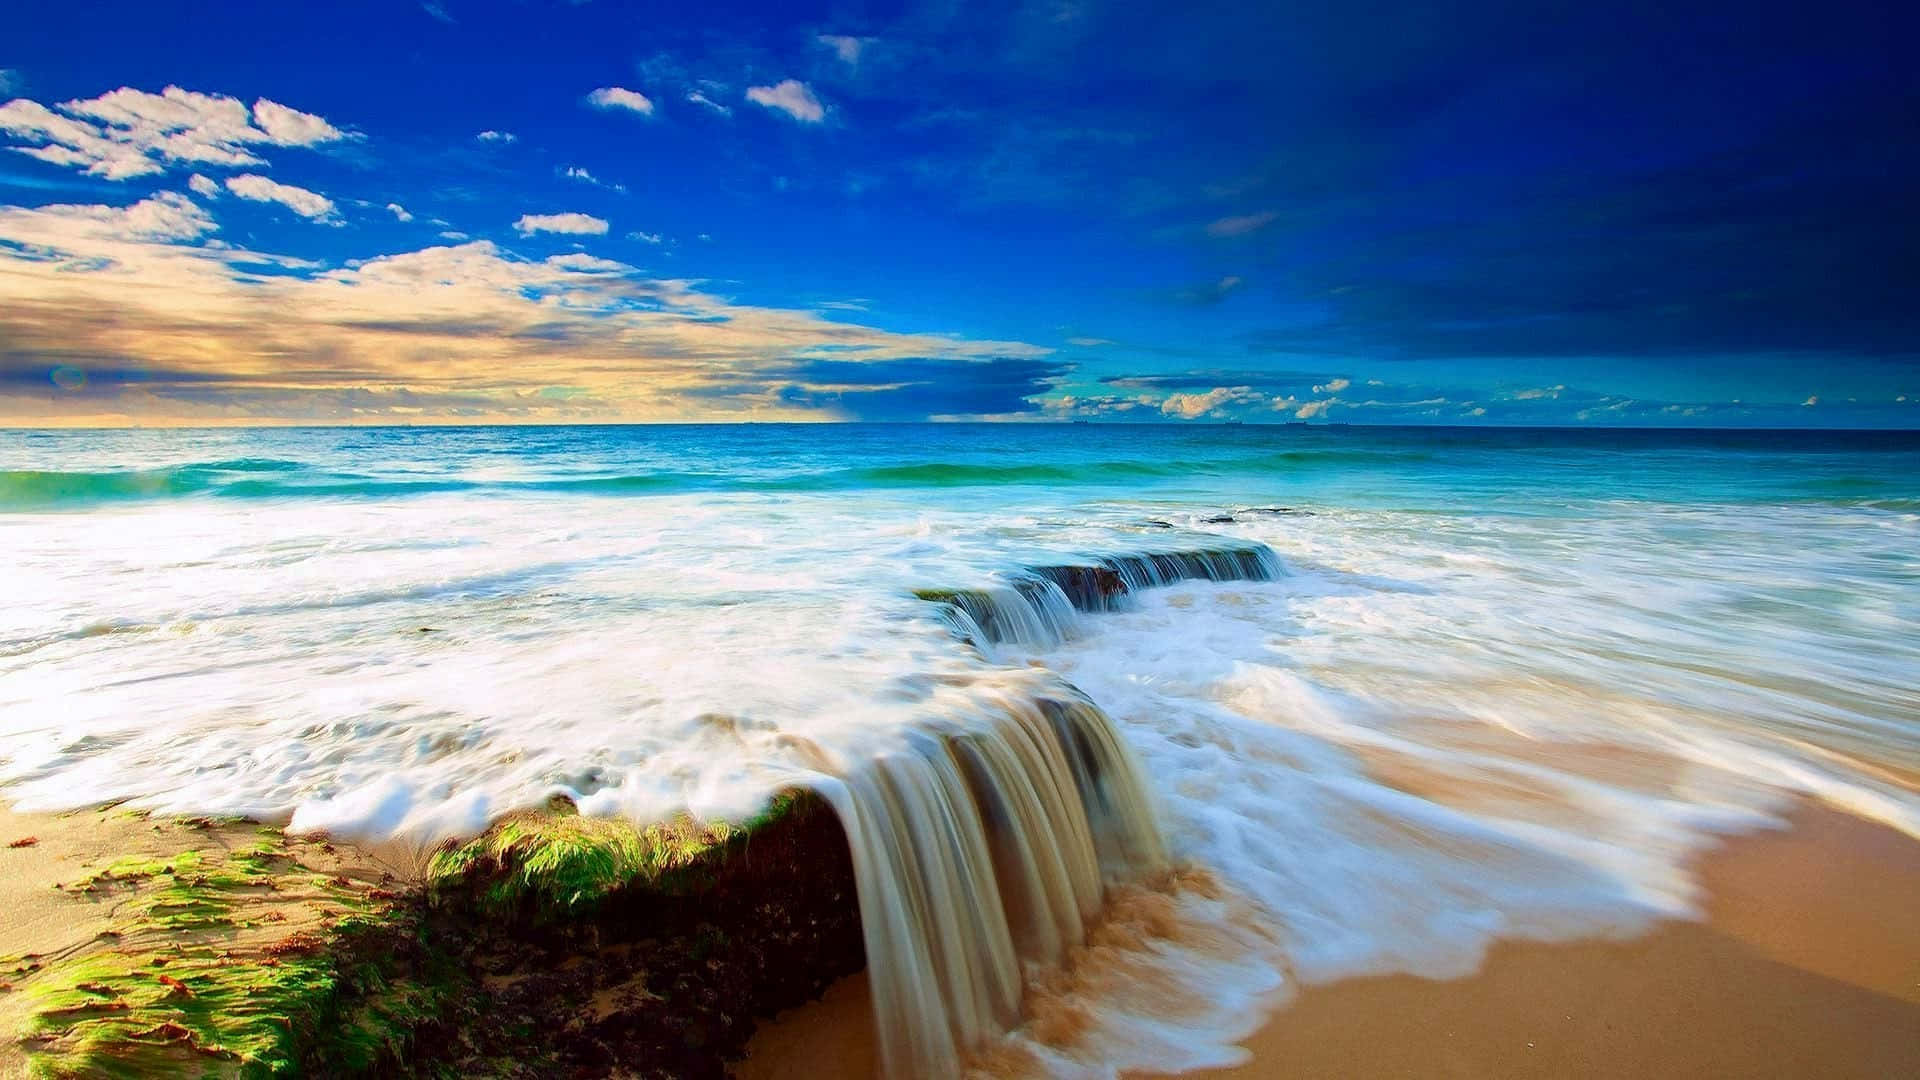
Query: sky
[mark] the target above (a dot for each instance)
(555, 211)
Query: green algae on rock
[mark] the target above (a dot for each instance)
(554, 864)
(228, 963)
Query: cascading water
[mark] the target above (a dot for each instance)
(990, 840)
(1039, 605)
(987, 844)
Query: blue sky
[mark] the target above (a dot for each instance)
(459, 211)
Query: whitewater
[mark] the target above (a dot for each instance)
(1282, 705)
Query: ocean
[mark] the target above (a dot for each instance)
(1386, 694)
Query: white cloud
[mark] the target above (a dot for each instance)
(588, 264)
(1811, 400)
(126, 133)
(1090, 342)
(1192, 406)
(1538, 393)
(399, 212)
(1312, 409)
(203, 187)
(790, 96)
(166, 217)
(497, 136)
(848, 49)
(619, 97)
(1333, 386)
(575, 172)
(308, 204)
(291, 127)
(1095, 405)
(698, 98)
(1241, 225)
(452, 234)
(647, 237)
(571, 224)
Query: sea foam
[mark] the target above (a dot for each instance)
(1423, 726)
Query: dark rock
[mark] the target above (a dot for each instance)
(658, 982)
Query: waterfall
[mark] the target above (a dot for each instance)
(988, 841)
(986, 844)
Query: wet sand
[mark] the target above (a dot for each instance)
(1807, 965)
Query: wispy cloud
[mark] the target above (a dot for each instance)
(438, 11)
(1211, 293)
(653, 238)
(697, 98)
(619, 97)
(569, 224)
(126, 133)
(9, 80)
(848, 49)
(399, 212)
(203, 186)
(790, 96)
(577, 172)
(1242, 224)
(497, 136)
(308, 204)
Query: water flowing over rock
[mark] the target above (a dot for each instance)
(1040, 605)
(987, 844)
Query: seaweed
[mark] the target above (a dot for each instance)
(556, 864)
(198, 975)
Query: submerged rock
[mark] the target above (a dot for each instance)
(1037, 605)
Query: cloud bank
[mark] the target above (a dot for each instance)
(169, 325)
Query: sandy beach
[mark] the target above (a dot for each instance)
(59, 903)
(1806, 965)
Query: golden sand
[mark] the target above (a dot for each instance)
(1807, 965)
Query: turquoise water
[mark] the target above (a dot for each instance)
(1406, 467)
(1501, 683)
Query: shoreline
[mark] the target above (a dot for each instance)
(552, 944)
(1806, 963)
